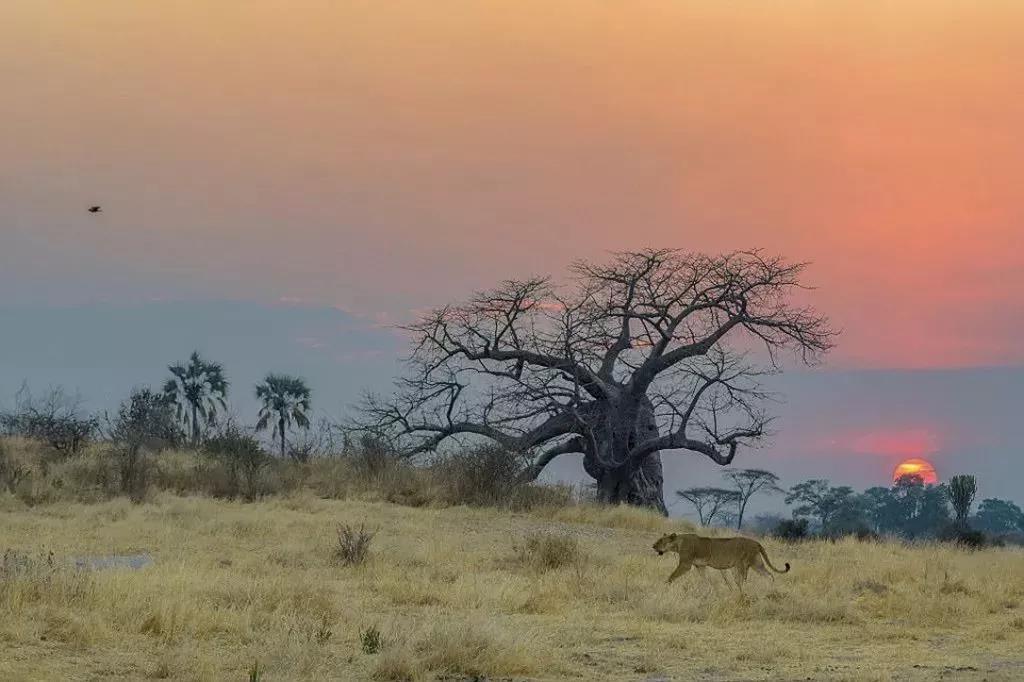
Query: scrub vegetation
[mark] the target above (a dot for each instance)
(363, 567)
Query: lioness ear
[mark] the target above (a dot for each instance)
(672, 535)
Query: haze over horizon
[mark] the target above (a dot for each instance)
(279, 180)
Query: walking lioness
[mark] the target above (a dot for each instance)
(739, 554)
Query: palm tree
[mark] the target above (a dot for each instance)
(285, 400)
(196, 390)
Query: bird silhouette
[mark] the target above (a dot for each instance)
(95, 209)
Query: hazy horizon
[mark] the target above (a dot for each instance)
(850, 426)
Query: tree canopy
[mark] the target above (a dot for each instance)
(642, 354)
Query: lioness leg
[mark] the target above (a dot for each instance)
(740, 574)
(683, 567)
(704, 574)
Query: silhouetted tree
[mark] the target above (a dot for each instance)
(883, 510)
(709, 502)
(145, 421)
(749, 482)
(242, 457)
(56, 418)
(836, 509)
(627, 361)
(921, 507)
(285, 400)
(961, 491)
(197, 389)
(999, 516)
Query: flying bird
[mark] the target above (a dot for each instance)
(95, 209)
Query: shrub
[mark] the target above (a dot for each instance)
(964, 536)
(791, 530)
(545, 552)
(242, 458)
(371, 640)
(353, 546)
(865, 534)
(483, 476)
(860, 532)
(55, 419)
(12, 471)
(145, 421)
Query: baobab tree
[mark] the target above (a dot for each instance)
(649, 352)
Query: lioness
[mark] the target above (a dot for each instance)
(739, 554)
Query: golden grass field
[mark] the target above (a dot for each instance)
(455, 595)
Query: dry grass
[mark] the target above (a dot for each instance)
(474, 592)
(561, 592)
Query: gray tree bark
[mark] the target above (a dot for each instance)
(614, 430)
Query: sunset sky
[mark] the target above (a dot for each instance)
(382, 157)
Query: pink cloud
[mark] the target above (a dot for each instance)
(898, 442)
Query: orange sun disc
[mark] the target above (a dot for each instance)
(918, 467)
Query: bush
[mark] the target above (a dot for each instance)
(791, 530)
(865, 534)
(371, 640)
(54, 419)
(232, 464)
(12, 471)
(546, 552)
(483, 476)
(353, 546)
(242, 458)
(145, 421)
(860, 532)
(964, 536)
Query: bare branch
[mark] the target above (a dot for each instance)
(629, 358)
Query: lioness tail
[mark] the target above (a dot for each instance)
(764, 555)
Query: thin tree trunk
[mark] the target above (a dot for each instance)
(195, 425)
(280, 427)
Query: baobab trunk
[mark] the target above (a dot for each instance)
(642, 486)
(617, 429)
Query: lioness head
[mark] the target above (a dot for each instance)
(664, 543)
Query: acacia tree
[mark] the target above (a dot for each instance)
(709, 502)
(196, 390)
(830, 506)
(286, 401)
(747, 483)
(627, 360)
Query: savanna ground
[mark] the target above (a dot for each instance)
(572, 592)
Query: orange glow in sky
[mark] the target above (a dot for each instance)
(388, 156)
(917, 467)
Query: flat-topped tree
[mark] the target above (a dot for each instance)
(627, 360)
(710, 502)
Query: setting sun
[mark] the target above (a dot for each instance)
(918, 467)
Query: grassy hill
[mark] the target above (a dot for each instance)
(559, 591)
